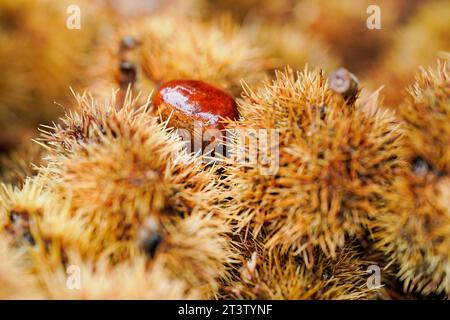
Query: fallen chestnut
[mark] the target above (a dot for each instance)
(198, 109)
(188, 101)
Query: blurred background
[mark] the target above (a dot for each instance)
(40, 58)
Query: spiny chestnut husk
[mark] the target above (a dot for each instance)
(55, 237)
(275, 276)
(425, 114)
(126, 280)
(414, 227)
(21, 163)
(291, 47)
(340, 23)
(325, 176)
(129, 179)
(43, 241)
(15, 282)
(119, 66)
(219, 53)
(39, 58)
(41, 224)
(414, 232)
(417, 43)
(215, 52)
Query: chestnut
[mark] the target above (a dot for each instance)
(189, 101)
(197, 110)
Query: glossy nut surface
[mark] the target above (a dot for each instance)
(187, 101)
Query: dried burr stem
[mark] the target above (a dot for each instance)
(345, 83)
(127, 69)
(128, 73)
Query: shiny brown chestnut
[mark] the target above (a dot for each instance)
(190, 101)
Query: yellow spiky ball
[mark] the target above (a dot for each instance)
(127, 280)
(326, 173)
(414, 228)
(264, 274)
(416, 43)
(15, 282)
(288, 45)
(40, 58)
(154, 50)
(132, 188)
(21, 163)
(47, 251)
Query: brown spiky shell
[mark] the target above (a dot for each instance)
(272, 275)
(290, 47)
(335, 162)
(414, 229)
(416, 43)
(21, 163)
(118, 184)
(127, 280)
(15, 282)
(40, 59)
(144, 55)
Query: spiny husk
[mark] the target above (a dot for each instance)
(276, 276)
(339, 23)
(121, 48)
(193, 252)
(264, 10)
(120, 168)
(20, 204)
(335, 163)
(271, 24)
(89, 118)
(41, 222)
(51, 240)
(414, 228)
(40, 58)
(216, 52)
(128, 280)
(417, 43)
(415, 232)
(426, 115)
(21, 163)
(290, 46)
(124, 160)
(15, 282)
(133, 9)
